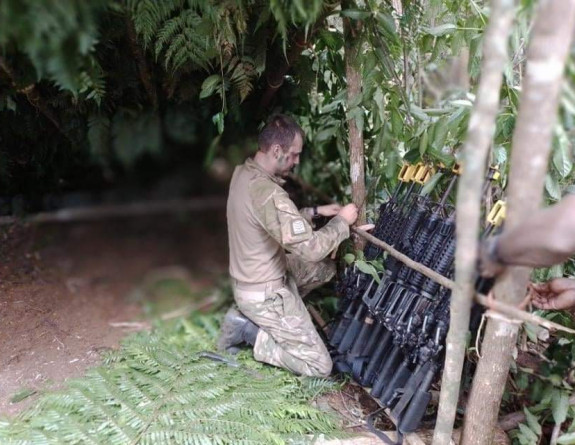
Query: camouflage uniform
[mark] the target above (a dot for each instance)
(262, 222)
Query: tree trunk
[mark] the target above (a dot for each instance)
(475, 152)
(546, 57)
(354, 94)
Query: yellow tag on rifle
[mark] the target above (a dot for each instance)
(497, 213)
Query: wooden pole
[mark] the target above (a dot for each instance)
(551, 38)
(475, 157)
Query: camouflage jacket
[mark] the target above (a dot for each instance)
(263, 221)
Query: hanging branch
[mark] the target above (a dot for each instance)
(552, 32)
(475, 156)
(352, 29)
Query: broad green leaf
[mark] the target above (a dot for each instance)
(412, 156)
(457, 42)
(325, 134)
(440, 134)
(553, 187)
(430, 185)
(448, 160)
(531, 332)
(423, 143)
(440, 30)
(567, 439)
(419, 113)
(530, 435)
(333, 40)
(218, 119)
(500, 154)
(379, 99)
(355, 14)
(462, 103)
(349, 258)
(367, 269)
(210, 85)
(396, 123)
(532, 421)
(387, 26)
(559, 405)
(562, 160)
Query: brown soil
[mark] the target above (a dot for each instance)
(353, 405)
(61, 286)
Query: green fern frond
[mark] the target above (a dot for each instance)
(149, 15)
(158, 389)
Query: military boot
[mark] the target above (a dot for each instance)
(236, 329)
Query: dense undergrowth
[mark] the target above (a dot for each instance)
(162, 388)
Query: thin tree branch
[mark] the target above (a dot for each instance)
(475, 156)
(513, 312)
(548, 50)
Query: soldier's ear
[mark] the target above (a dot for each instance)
(276, 150)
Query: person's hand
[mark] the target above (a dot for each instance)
(329, 210)
(556, 294)
(348, 213)
(488, 266)
(366, 227)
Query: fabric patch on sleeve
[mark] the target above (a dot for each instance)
(298, 227)
(293, 228)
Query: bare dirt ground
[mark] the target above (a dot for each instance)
(62, 286)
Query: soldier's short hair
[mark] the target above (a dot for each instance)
(281, 130)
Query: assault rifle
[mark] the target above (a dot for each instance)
(392, 217)
(381, 306)
(357, 327)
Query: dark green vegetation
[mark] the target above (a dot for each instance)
(93, 92)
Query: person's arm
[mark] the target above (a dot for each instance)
(556, 294)
(281, 219)
(546, 238)
(325, 210)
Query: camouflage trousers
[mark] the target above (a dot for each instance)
(287, 336)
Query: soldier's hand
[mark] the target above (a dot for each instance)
(349, 213)
(329, 210)
(556, 294)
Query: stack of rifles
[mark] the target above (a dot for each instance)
(390, 333)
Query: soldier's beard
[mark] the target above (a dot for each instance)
(283, 171)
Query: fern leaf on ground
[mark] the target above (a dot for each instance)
(158, 389)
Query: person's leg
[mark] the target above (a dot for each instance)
(287, 336)
(309, 275)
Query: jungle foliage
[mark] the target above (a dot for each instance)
(91, 90)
